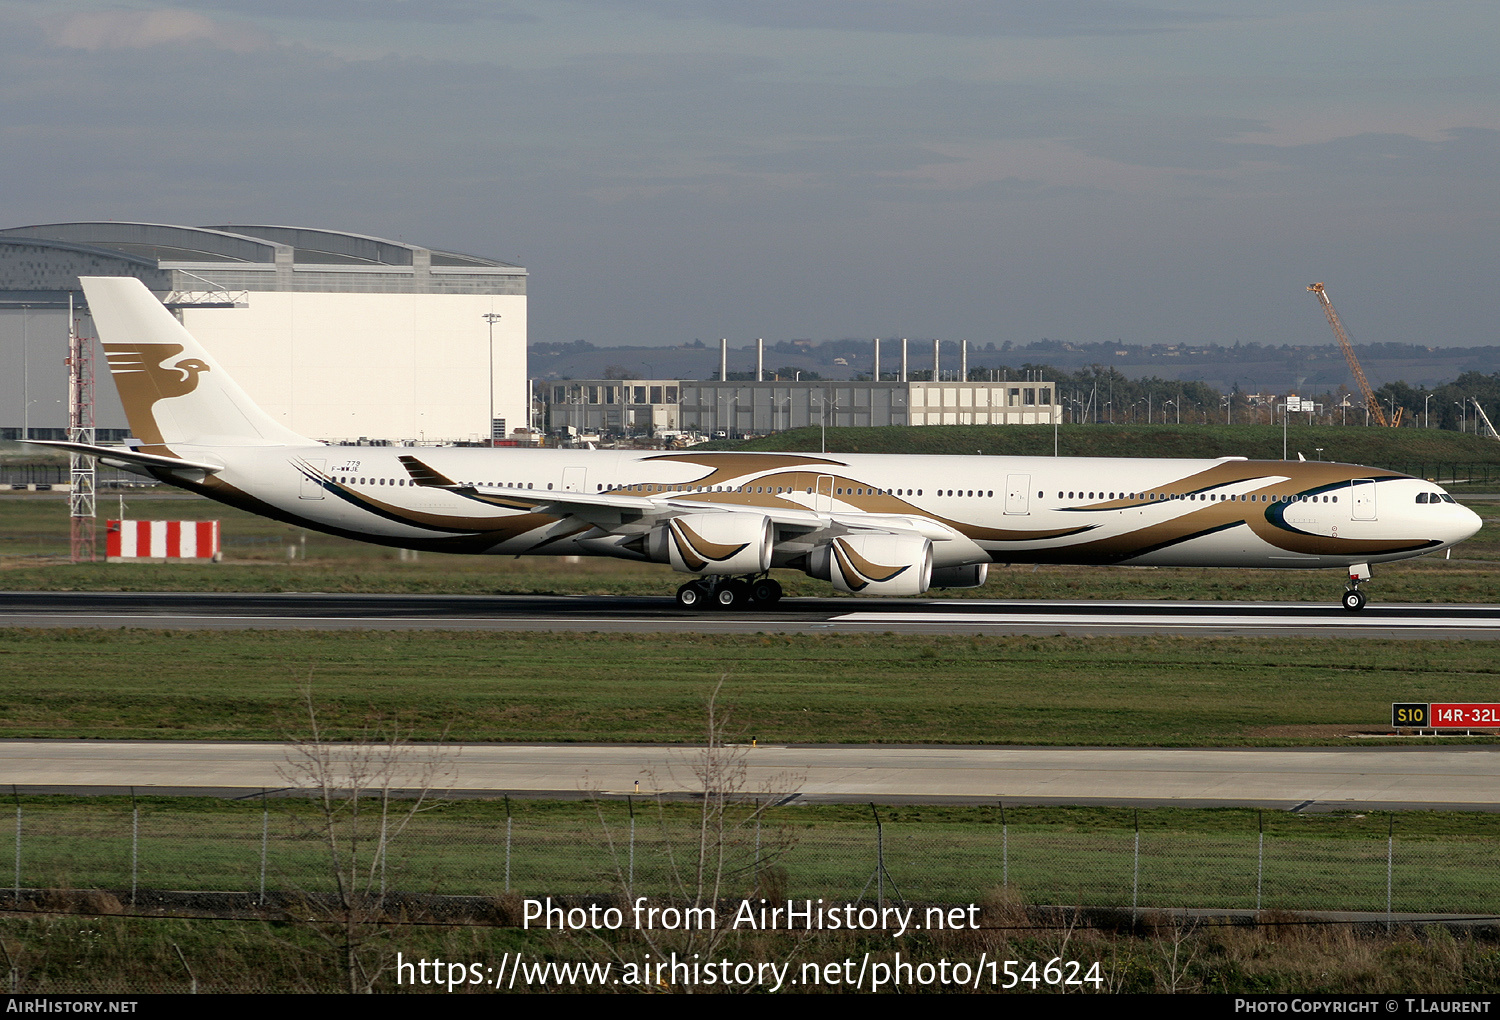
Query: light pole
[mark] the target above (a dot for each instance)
(492, 318)
(25, 371)
(719, 415)
(823, 406)
(1427, 411)
(1463, 420)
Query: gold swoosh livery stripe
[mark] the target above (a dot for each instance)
(858, 571)
(695, 550)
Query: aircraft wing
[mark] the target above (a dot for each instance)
(610, 511)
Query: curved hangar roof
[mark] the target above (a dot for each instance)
(40, 264)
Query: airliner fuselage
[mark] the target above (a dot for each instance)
(870, 524)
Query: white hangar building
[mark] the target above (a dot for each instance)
(340, 336)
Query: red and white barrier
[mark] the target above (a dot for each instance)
(161, 540)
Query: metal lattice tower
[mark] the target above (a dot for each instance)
(82, 505)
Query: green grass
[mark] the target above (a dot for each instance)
(34, 546)
(1441, 861)
(482, 686)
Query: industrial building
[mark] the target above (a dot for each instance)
(760, 405)
(340, 336)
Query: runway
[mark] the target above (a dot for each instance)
(1465, 778)
(322, 611)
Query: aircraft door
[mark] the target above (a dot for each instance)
(312, 488)
(1018, 494)
(1362, 499)
(823, 494)
(575, 479)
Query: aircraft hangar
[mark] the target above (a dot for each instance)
(340, 336)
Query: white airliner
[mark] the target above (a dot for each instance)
(870, 524)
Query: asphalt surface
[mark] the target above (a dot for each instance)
(1422, 776)
(319, 611)
(1457, 777)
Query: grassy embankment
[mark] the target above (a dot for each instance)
(1206, 858)
(1142, 691)
(104, 954)
(1080, 856)
(1429, 453)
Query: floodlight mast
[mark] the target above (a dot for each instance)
(1373, 404)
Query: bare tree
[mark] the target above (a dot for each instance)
(364, 795)
(732, 849)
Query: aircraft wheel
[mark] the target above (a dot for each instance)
(1354, 600)
(766, 592)
(732, 595)
(691, 596)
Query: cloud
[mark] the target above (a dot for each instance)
(442, 12)
(133, 30)
(844, 157)
(1219, 144)
(1025, 18)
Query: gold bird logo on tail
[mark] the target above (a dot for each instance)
(143, 377)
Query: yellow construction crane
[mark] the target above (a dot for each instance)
(1376, 411)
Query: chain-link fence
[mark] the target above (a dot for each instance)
(290, 847)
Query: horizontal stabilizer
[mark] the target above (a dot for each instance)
(124, 457)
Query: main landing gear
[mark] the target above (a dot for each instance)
(1354, 599)
(729, 592)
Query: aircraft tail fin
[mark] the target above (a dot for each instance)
(172, 389)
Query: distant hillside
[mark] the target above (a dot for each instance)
(1424, 452)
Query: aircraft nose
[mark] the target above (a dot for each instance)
(1466, 524)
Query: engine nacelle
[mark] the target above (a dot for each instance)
(875, 564)
(972, 575)
(727, 543)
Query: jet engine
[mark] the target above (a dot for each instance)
(728, 543)
(971, 575)
(875, 564)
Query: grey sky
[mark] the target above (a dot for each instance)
(1073, 169)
